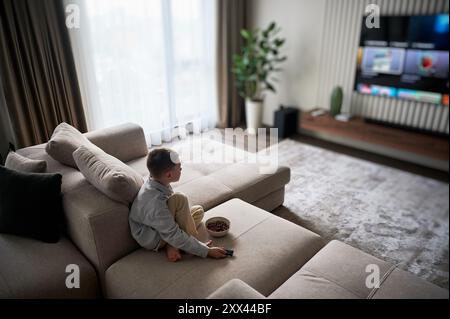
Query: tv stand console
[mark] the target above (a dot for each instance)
(412, 146)
(406, 128)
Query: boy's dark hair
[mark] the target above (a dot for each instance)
(159, 161)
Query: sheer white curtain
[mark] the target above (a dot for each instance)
(151, 62)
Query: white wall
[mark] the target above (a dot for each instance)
(302, 26)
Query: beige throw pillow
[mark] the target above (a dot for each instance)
(64, 141)
(108, 174)
(23, 164)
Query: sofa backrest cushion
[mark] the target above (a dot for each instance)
(31, 204)
(64, 141)
(23, 164)
(108, 174)
(125, 142)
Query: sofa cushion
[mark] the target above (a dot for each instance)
(205, 191)
(248, 183)
(271, 200)
(235, 289)
(72, 178)
(339, 271)
(63, 142)
(23, 164)
(108, 174)
(125, 142)
(30, 204)
(33, 269)
(401, 284)
(261, 260)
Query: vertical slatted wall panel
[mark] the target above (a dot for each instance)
(342, 28)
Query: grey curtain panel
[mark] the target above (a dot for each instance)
(231, 19)
(38, 70)
(6, 130)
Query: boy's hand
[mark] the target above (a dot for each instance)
(217, 252)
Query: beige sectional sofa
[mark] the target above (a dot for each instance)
(98, 226)
(273, 256)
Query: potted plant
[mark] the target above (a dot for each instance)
(258, 59)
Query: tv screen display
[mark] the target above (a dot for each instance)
(406, 57)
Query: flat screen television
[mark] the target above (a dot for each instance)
(407, 57)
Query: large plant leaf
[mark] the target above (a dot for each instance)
(270, 87)
(271, 27)
(279, 42)
(245, 34)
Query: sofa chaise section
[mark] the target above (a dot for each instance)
(267, 251)
(339, 271)
(211, 184)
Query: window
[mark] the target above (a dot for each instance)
(152, 62)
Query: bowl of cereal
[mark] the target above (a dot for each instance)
(217, 226)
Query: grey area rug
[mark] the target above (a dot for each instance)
(394, 215)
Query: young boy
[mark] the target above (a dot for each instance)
(161, 218)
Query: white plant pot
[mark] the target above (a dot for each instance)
(253, 114)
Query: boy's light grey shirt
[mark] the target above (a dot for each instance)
(151, 221)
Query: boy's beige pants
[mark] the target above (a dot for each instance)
(188, 218)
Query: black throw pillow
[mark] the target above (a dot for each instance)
(31, 204)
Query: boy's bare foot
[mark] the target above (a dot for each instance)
(173, 254)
